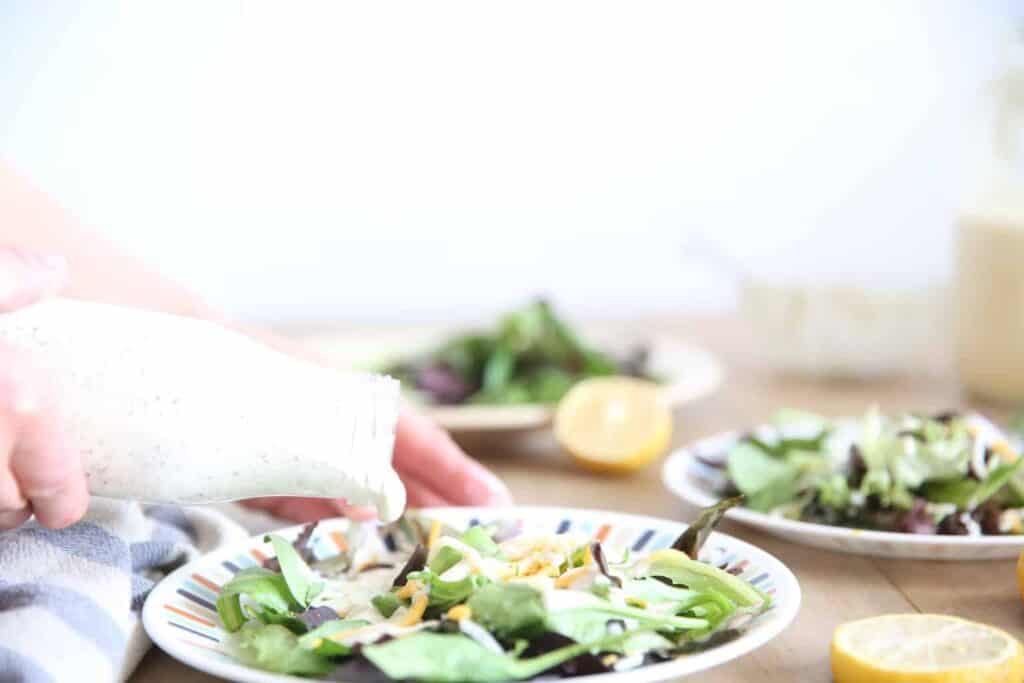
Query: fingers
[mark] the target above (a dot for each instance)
(39, 471)
(435, 471)
(27, 277)
(307, 509)
(424, 452)
(356, 513)
(14, 509)
(50, 476)
(14, 518)
(421, 496)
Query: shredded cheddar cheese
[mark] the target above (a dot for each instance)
(435, 533)
(570, 576)
(342, 635)
(1005, 451)
(415, 613)
(409, 589)
(459, 612)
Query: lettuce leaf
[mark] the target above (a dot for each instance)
(766, 481)
(319, 640)
(275, 648)
(508, 610)
(265, 588)
(478, 539)
(699, 576)
(453, 658)
(296, 572)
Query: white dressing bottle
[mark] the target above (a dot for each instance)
(990, 254)
(171, 409)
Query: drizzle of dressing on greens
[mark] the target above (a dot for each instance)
(451, 606)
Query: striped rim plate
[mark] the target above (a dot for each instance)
(180, 617)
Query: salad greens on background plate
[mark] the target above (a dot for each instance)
(509, 373)
(475, 594)
(947, 486)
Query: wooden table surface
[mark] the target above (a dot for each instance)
(836, 587)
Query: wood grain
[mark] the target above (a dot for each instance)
(836, 587)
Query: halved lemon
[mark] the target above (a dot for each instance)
(924, 648)
(614, 424)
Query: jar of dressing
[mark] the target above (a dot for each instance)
(989, 286)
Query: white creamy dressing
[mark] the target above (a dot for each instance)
(990, 250)
(171, 409)
(351, 594)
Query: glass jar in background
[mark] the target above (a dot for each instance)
(856, 317)
(990, 255)
(990, 304)
(835, 304)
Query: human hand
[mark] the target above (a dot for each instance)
(433, 468)
(39, 471)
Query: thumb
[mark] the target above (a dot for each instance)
(27, 277)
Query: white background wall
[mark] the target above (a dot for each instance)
(416, 161)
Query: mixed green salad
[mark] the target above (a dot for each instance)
(532, 356)
(484, 604)
(951, 473)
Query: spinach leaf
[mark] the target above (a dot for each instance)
(548, 385)
(266, 588)
(999, 477)
(498, 369)
(508, 610)
(653, 590)
(297, 574)
(386, 604)
(452, 658)
(478, 539)
(229, 609)
(691, 540)
(319, 640)
(713, 607)
(446, 558)
(286, 619)
(970, 493)
(753, 471)
(445, 594)
(699, 576)
(590, 624)
(956, 491)
(302, 547)
(275, 648)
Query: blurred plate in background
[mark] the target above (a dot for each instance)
(689, 372)
(697, 484)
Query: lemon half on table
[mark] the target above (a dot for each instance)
(614, 424)
(924, 648)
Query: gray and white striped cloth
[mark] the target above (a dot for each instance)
(70, 599)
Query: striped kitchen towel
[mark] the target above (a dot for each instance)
(70, 599)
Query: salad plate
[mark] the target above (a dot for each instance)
(739, 598)
(687, 372)
(958, 516)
